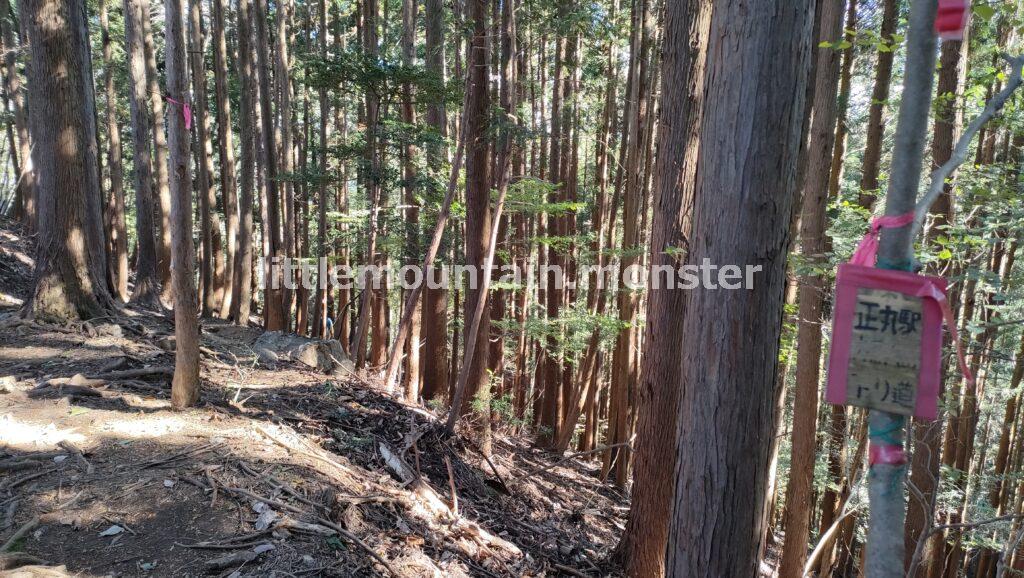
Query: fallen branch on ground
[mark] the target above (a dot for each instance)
(19, 534)
(79, 455)
(131, 373)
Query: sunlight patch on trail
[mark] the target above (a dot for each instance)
(30, 437)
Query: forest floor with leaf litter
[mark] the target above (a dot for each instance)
(280, 470)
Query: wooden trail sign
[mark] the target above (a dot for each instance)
(886, 341)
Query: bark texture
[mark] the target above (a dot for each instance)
(185, 384)
(71, 265)
(755, 84)
(646, 533)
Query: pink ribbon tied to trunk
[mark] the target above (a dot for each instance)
(867, 251)
(186, 111)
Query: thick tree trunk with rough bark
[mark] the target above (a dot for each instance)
(411, 378)
(478, 189)
(285, 141)
(755, 79)
(624, 363)
(323, 290)
(372, 183)
(646, 535)
(71, 265)
(435, 300)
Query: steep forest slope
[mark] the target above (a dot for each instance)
(282, 470)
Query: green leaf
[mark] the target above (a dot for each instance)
(984, 11)
(844, 45)
(825, 44)
(945, 254)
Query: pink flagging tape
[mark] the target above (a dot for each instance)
(867, 251)
(887, 454)
(186, 111)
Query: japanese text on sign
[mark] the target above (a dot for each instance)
(885, 352)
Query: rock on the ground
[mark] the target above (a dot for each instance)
(323, 355)
(110, 330)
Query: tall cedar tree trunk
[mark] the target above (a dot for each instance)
(924, 468)
(586, 376)
(117, 234)
(604, 226)
(769, 513)
(506, 153)
(755, 84)
(212, 261)
(624, 365)
(646, 535)
(372, 182)
(435, 300)
(283, 86)
(71, 267)
(845, 87)
(300, 209)
(411, 378)
(552, 373)
(265, 267)
(274, 316)
(147, 279)
(570, 396)
(837, 424)
(523, 250)
(379, 293)
(342, 308)
(162, 187)
(478, 189)
(241, 298)
(226, 154)
(27, 189)
(185, 386)
(796, 520)
(320, 318)
(871, 163)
